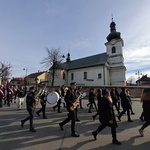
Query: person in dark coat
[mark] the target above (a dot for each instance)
(58, 105)
(114, 99)
(70, 99)
(107, 116)
(42, 95)
(92, 97)
(145, 99)
(125, 102)
(98, 96)
(30, 101)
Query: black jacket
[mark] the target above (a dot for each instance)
(70, 97)
(30, 100)
(106, 112)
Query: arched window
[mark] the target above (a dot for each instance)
(113, 49)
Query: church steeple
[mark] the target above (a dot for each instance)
(68, 57)
(113, 33)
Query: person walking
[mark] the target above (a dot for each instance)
(125, 102)
(30, 102)
(21, 93)
(99, 95)
(145, 99)
(70, 100)
(58, 105)
(42, 95)
(107, 117)
(92, 96)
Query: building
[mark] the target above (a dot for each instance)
(98, 70)
(16, 81)
(37, 78)
(144, 80)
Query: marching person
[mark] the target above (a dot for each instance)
(21, 93)
(30, 102)
(10, 94)
(92, 97)
(145, 99)
(70, 99)
(107, 116)
(125, 102)
(58, 102)
(42, 95)
(2, 95)
(99, 96)
(114, 99)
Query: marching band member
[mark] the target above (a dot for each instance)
(59, 101)
(2, 95)
(107, 116)
(70, 99)
(10, 94)
(21, 93)
(30, 101)
(42, 95)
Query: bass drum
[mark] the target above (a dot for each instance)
(52, 97)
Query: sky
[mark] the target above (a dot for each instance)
(80, 27)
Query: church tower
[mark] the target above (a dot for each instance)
(115, 60)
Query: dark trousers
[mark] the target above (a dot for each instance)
(72, 117)
(43, 103)
(91, 105)
(30, 117)
(1, 102)
(113, 130)
(58, 105)
(123, 112)
(147, 123)
(116, 106)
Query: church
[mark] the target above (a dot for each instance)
(105, 69)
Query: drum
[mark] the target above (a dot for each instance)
(52, 97)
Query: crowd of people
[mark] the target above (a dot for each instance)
(107, 100)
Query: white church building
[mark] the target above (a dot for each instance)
(103, 69)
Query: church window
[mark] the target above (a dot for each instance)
(113, 49)
(99, 76)
(85, 75)
(72, 76)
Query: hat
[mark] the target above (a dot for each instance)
(105, 91)
(73, 83)
(31, 88)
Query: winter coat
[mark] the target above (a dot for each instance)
(146, 105)
(106, 112)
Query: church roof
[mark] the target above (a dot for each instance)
(91, 61)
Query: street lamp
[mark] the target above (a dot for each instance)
(138, 74)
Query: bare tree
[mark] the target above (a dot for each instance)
(130, 80)
(53, 61)
(5, 70)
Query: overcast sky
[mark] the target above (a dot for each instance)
(80, 27)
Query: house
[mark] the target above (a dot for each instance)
(144, 80)
(16, 81)
(98, 70)
(37, 78)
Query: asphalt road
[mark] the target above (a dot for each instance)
(50, 137)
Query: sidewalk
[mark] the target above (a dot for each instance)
(50, 137)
